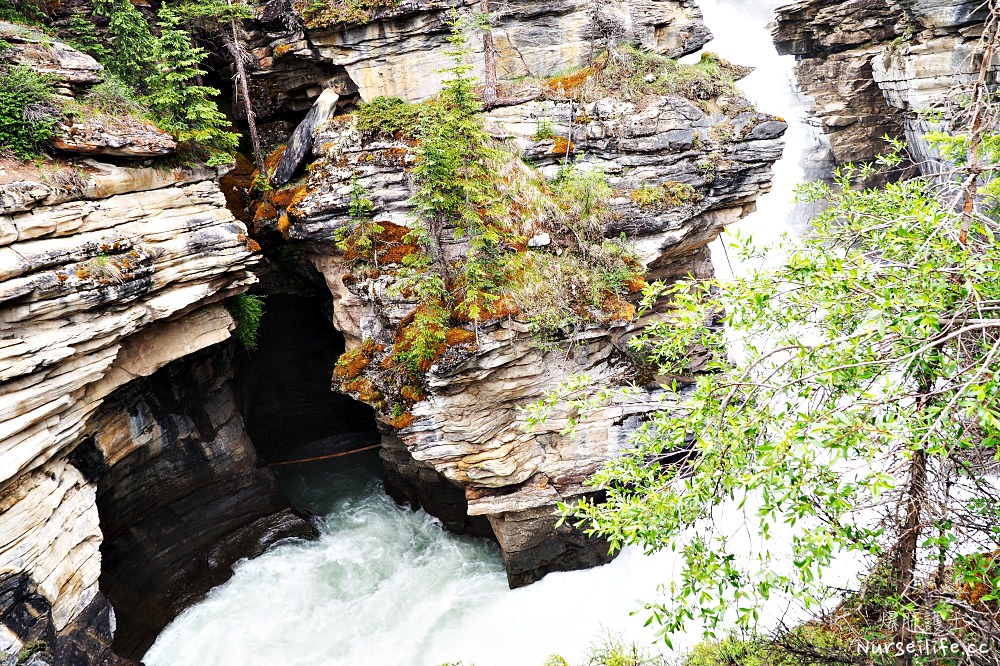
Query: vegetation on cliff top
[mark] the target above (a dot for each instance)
(28, 110)
(148, 77)
(632, 74)
(477, 190)
(329, 13)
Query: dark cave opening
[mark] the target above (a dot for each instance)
(283, 387)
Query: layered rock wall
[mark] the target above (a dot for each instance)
(873, 67)
(401, 52)
(179, 492)
(468, 452)
(109, 273)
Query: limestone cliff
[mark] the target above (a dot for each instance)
(128, 481)
(680, 166)
(873, 66)
(108, 274)
(396, 49)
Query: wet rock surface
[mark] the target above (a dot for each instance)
(179, 492)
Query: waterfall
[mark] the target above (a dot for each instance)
(742, 35)
(384, 586)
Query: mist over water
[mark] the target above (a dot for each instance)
(385, 586)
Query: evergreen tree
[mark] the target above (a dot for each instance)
(130, 55)
(224, 18)
(453, 173)
(183, 107)
(84, 37)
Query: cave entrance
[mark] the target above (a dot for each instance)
(291, 412)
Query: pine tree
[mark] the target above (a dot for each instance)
(130, 55)
(453, 174)
(224, 18)
(84, 37)
(183, 107)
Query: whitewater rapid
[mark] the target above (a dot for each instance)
(384, 586)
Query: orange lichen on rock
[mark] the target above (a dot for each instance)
(404, 420)
(635, 284)
(616, 308)
(561, 145)
(568, 83)
(265, 213)
(236, 186)
(365, 390)
(412, 393)
(387, 246)
(250, 244)
(501, 307)
(271, 161)
(284, 225)
(459, 336)
(352, 363)
(285, 197)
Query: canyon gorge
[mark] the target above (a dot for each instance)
(141, 445)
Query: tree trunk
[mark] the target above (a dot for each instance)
(490, 55)
(907, 552)
(243, 90)
(980, 102)
(435, 228)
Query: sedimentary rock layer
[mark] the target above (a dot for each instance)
(468, 439)
(873, 66)
(400, 52)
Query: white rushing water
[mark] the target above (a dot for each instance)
(742, 36)
(384, 586)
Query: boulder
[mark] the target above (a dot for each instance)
(45, 55)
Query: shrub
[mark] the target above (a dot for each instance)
(326, 13)
(390, 116)
(30, 649)
(114, 97)
(423, 339)
(584, 195)
(615, 651)
(666, 195)
(248, 311)
(632, 74)
(28, 111)
(822, 645)
(30, 12)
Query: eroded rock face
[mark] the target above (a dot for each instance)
(871, 66)
(107, 275)
(85, 131)
(468, 453)
(113, 137)
(179, 492)
(69, 67)
(401, 52)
